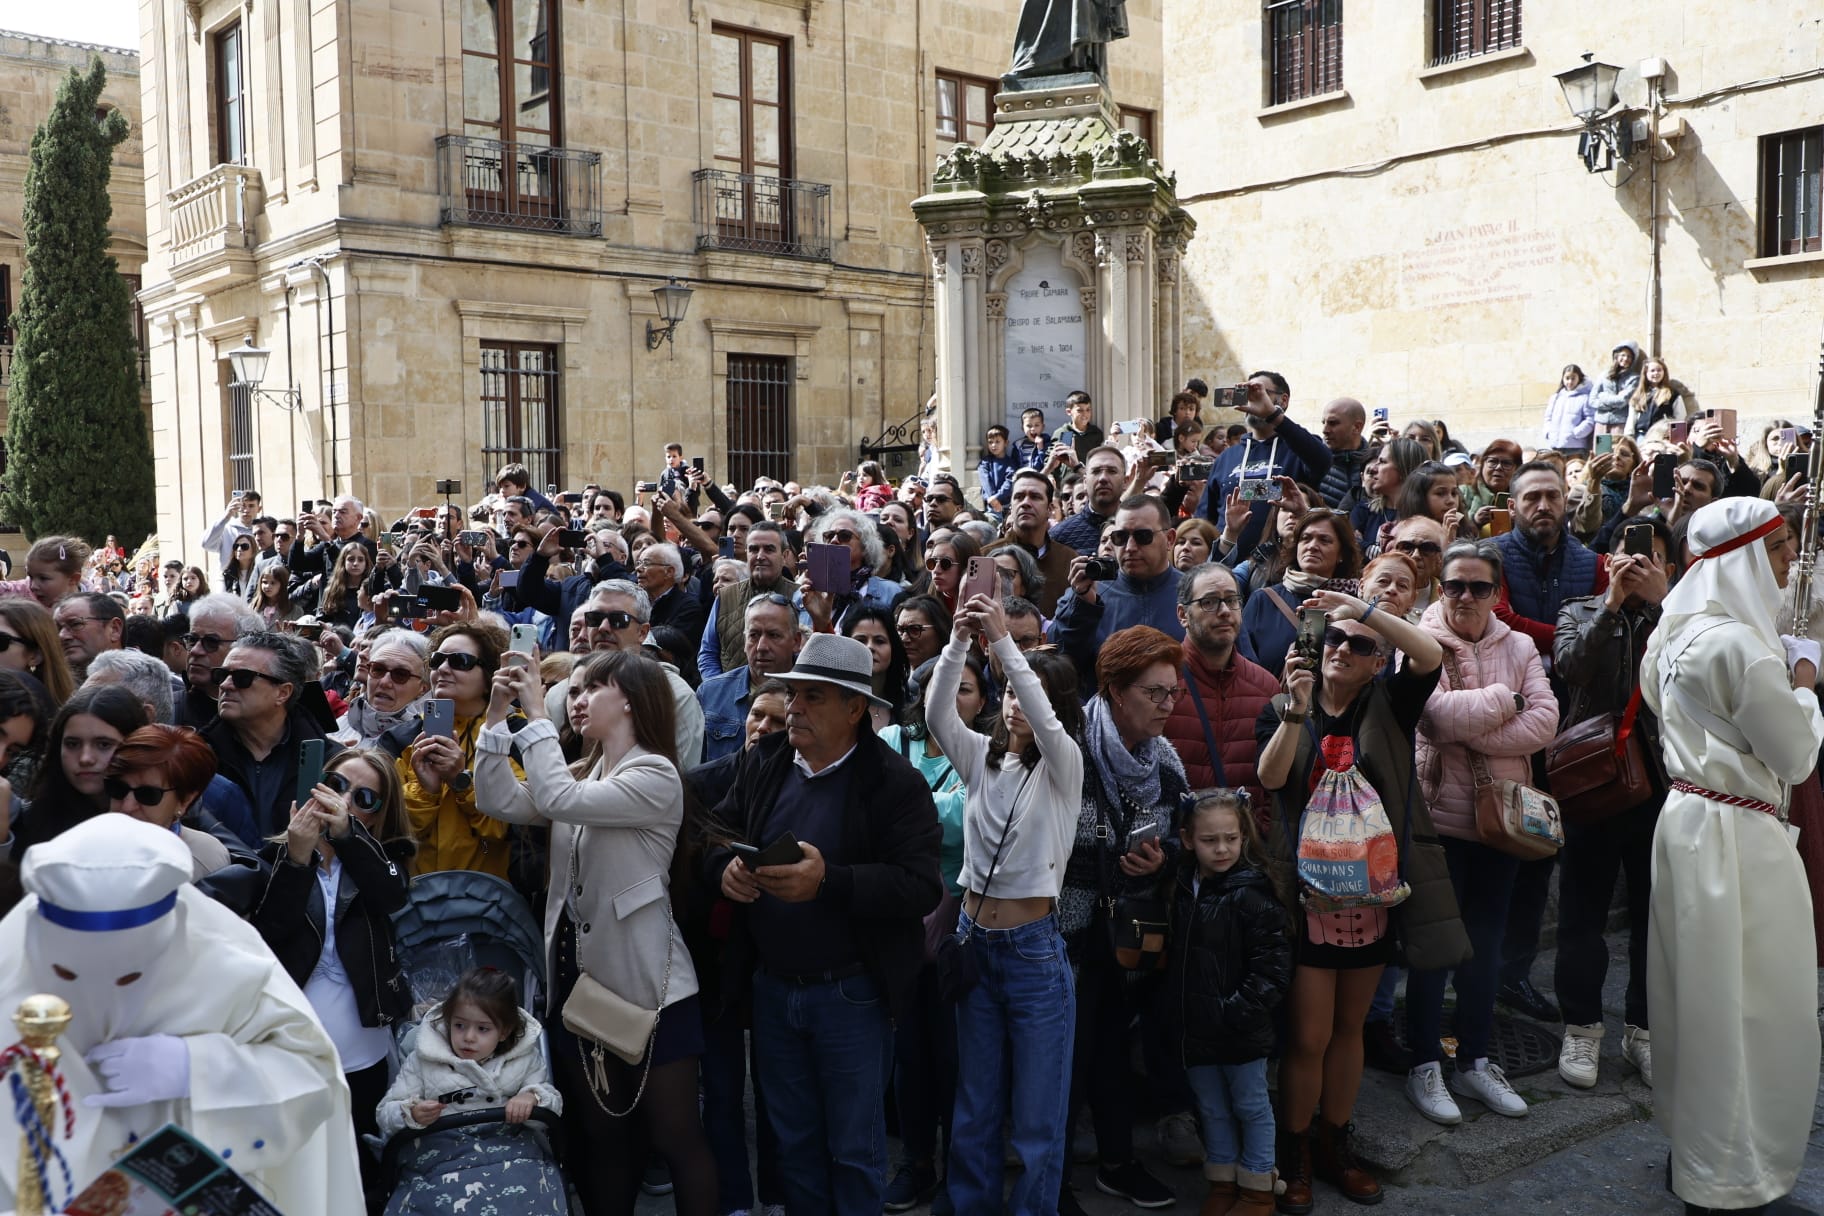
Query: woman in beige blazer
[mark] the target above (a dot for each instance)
(615, 820)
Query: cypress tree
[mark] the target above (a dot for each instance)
(78, 445)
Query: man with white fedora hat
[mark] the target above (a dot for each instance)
(829, 946)
(180, 1015)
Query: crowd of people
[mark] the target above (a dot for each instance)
(1106, 778)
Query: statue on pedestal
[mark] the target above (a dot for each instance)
(1064, 37)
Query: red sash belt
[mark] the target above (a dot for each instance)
(1753, 804)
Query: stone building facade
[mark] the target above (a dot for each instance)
(1392, 206)
(31, 71)
(446, 218)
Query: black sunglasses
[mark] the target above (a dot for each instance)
(940, 563)
(1456, 588)
(838, 536)
(363, 798)
(1430, 548)
(145, 795)
(616, 619)
(1140, 536)
(208, 641)
(1360, 647)
(243, 677)
(456, 659)
(7, 640)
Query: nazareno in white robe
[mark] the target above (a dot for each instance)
(266, 1087)
(1731, 982)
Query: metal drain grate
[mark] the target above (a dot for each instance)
(1520, 1047)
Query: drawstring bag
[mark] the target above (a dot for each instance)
(1348, 856)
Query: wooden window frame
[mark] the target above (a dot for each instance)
(522, 181)
(757, 207)
(1147, 121)
(1468, 29)
(961, 83)
(1304, 49)
(228, 108)
(545, 460)
(1778, 152)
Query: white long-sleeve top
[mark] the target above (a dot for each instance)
(1041, 812)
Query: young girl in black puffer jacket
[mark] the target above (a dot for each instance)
(1230, 966)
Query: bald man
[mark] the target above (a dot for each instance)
(1344, 419)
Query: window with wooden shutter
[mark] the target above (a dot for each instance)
(1463, 29)
(965, 107)
(1791, 202)
(1304, 49)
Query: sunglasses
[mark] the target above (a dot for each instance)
(363, 798)
(7, 640)
(281, 536)
(145, 795)
(457, 659)
(243, 677)
(208, 641)
(1456, 588)
(938, 500)
(595, 618)
(1429, 548)
(838, 536)
(1360, 647)
(1140, 536)
(912, 631)
(940, 563)
(398, 675)
(243, 548)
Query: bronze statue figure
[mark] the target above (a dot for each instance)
(1062, 37)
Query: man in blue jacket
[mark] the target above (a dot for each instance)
(1145, 592)
(1275, 446)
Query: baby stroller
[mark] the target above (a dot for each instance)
(472, 1162)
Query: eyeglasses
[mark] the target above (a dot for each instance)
(1456, 588)
(243, 677)
(398, 675)
(457, 659)
(1159, 694)
(838, 536)
(1498, 462)
(1360, 647)
(938, 500)
(1430, 548)
(940, 563)
(363, 798)
(1218, 603)
(909, 630)
(7, 640)
(594, 618)
(70, 624)
(1140, 536)
(145, 795)
(208, 641)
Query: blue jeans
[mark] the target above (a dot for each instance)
(1483, 879)
(1232, 1098)
(1013, 1036)
(823, 1052)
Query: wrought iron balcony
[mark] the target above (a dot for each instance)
(749, 213)
(214, 213)
(531, 187)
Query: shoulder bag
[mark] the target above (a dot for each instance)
(1598, 767)
(602, 1019)
(1514, 818)
(1136, 922)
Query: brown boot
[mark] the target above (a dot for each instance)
(1221, 1199)
(1294, 1171)
(1255, 1195)
(1334, 1161)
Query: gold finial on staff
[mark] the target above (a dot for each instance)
(40, 1019)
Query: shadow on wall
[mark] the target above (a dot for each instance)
(1207, 352)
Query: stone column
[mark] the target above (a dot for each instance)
(1168, 377)
(975, 326)
(1111, 293)
(1137, 251)
(951, 328)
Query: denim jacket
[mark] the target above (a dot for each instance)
(724, 699)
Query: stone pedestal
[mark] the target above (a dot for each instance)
(1055, 252)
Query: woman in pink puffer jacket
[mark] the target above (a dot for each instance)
(1494, 698)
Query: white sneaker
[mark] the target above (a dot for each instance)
(1637, 1049)
(1577, 1055)
(1488, 1085)
(1425, 1090)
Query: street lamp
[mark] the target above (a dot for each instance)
(1589, 93)
(249, 364)
(673, 300)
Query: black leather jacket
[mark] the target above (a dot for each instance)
(290, 917)
(1230, 963)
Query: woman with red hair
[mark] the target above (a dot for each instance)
(158, 774)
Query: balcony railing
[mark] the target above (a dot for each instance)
(531, 187)
(748, 213)
(214, 213)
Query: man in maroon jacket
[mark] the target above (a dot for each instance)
(1217, 745)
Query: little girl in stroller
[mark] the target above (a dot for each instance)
(477, 1051)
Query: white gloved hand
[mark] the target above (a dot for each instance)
(1798, 649)
(154, 1068)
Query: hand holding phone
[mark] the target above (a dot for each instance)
(783, 851)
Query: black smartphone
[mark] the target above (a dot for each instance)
(1160, 460)
(1637, 540)
(572, 538)
(306, 508)
(646, 487)
(310, 768)
(784, 851)
(473, 539)
(439, 599)
(1311, 625)
(1664, 465)
(1796, 465)
(403, 607)
(696, 462)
